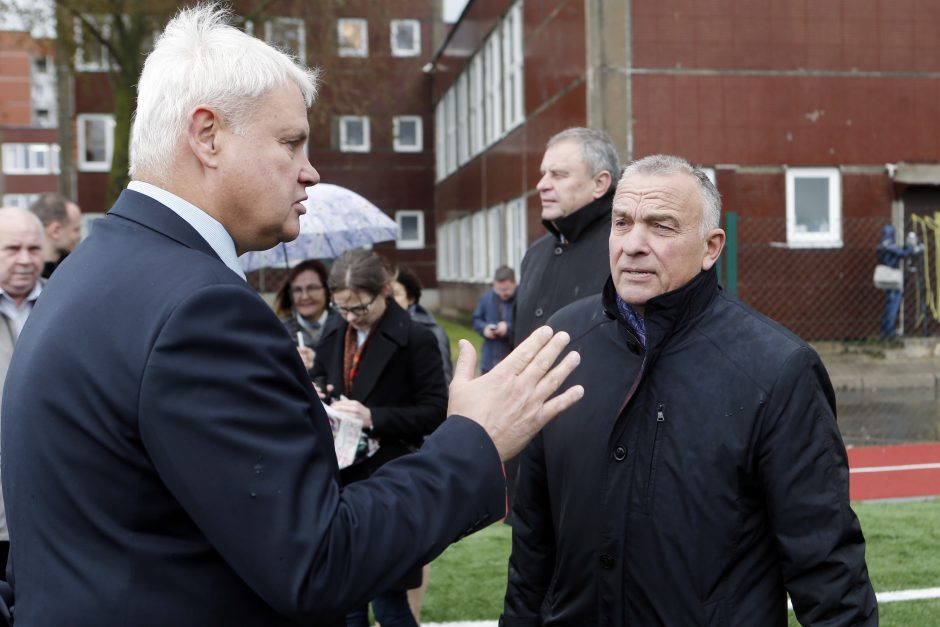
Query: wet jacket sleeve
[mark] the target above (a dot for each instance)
(532, 560)
(803, 467)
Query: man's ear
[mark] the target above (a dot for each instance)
(53, 230)
(601, 183)
(714, 243)
(203, 133)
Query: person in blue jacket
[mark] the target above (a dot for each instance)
(493, 318)
(890, 254)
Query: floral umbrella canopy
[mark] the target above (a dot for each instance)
(337, 219)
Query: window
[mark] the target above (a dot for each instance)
(439, 148)
(410, 229)
(353, 36)
(407, 130)
(91, 55)
(516, 233)
(494, 235)
(452, 10)
(512, 67)
(450, 130)
(475, 88)
(814, 208)
(480, 252)
(354, 133)
(493, 67)
(287, 34)
(463, 137)
(406, 38)
(23, 201)
(465, 243)
(95, 142)
(442, 269)
(30, 159)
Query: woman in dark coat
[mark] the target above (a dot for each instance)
(385, 369)
(303, 305)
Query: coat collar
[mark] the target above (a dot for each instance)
(389, 336)
(153, 215)
(671, 312)
(574, 224)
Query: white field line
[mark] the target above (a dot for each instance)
(883, 597)
(895, 468)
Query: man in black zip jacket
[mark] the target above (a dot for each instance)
(579, 170)
(703, 476)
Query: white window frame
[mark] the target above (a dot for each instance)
(465, 242)
(493, 75)
(103, 22)
(348, 51)
(450, 130)
(397, 121)
(409, 244)
(23, 201)
(453, 249)
(344, 143)
(439, 132)
(832, 238)
(495, 230)
(481, 255)
(516, 233)
(476, 97)
(21, 158)
(513, 92)
(463, 136)
(297, 24)
(441, 257)
(95, 166)
(415, 48)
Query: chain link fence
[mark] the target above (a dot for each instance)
(887, 389)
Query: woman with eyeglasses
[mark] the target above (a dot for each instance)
(302, 304)
(385, 369)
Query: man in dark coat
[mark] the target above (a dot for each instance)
(181, 470)
(703, 477)
(580, 169)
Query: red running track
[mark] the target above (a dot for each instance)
(894, 472)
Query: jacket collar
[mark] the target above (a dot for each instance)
(668, 313)
(390, 334)
(573, 225)
(153, 215)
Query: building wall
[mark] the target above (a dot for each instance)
(749, 87)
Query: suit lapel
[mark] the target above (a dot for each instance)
(154, 215)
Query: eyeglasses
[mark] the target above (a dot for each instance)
(300, 290)
(357, 310)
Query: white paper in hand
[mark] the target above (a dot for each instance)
(346, 433)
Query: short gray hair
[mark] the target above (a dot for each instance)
(201, 59)
(664, 165)
(597, 148)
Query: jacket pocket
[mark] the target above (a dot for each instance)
(658, 427)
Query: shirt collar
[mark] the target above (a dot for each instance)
(208, 227)
(31, 298)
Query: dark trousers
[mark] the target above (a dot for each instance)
(391, 610)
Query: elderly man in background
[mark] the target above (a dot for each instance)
(62, 221)
(181, 470)
(20, 266)
(580, 169)
(703, 477)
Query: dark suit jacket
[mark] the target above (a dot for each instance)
(166, 461)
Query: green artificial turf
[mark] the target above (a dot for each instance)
(468, 581)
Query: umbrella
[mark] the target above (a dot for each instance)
(337, 219)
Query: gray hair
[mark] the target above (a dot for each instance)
(201, 59)
(664, 165)
(597, 148)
